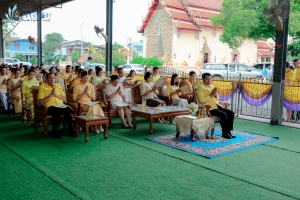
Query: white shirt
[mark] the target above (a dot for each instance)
(110, 89)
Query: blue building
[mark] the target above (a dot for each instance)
(22, 47)
(138, 47)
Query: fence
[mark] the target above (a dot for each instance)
(253, 97)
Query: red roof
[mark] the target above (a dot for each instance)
(215, 5)
(264, 53)
(263, 44)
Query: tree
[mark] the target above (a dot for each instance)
(117, 59)
(97, 58)
(138, 60)
(51, 40)
(116, 46)
(245, 20)
(75, 55)
(20, 57)
(33, 60)
(153, 62)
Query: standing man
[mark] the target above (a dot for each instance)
(51, 95)
(207, 95)
(3, 88)
(88, 62)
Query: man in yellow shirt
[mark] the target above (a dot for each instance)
(155, 75)
(207, 95)
(51, 95)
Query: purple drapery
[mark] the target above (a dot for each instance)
(291, 105)
(226, 98)
(256, 102)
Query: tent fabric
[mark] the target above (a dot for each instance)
(82, 59)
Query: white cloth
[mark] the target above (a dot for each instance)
(122, 79)
(201, 126)
(3, 99)
(180, 102)
(110, 89)
(144, 87)
(128, 98)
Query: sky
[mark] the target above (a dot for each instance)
(67, 21)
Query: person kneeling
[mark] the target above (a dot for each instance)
(84, 92)
(51, 95)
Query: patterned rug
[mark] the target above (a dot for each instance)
(211, 148)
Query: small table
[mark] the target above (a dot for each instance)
(157, 112)
(199, 125)
(91, 121)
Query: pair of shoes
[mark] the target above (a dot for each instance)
(100, 129)
(130, 126)
(56, 135)
(232, 136)
(126, 127)
(227, 136)
(93, 130)
(160, 121)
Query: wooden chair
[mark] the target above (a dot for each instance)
(40, 114)
(26, 110)
(11, 105)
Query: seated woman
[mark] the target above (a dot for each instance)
(14, 87)
(115, 93)
(150, 94)
(43, 79)
(174, 91)
(78, 78)
(84, 92)
(132, 75)
(26, 89)
(90, 75)
(98, 79)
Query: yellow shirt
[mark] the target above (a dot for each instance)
(3, 87)
(290, 76)
(297, 74)
(203, 93)
(75, 81)
(72, 77)
(98, 80)
(189, 84)
(25, 77)
(155, 78)
(64, 75)
(45, 90)
(26, 85)
(144, 87)
(171, 89)
(79, 89)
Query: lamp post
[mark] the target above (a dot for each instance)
(81, 40)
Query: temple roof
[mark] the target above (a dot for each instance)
(186, 14)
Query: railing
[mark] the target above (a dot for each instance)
(169, 71)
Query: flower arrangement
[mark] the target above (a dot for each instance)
(193, 108)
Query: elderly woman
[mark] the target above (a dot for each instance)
(14, 87)
(149, 94)
(174, 91)
(98, 78)
(84, 92)
(115, 94)
(26, 89)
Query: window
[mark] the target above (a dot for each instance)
(17, 46)
(31, 47)
(232, 68)
(265, 59)
(126, 67)
(214, 32)
(258, 67)
(216, 67)
(242, 68)
(197, 35)
(178, 33)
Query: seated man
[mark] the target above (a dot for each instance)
(84, 92)
(3, 88)
(121, 75)
(207, 95)
(51, 94)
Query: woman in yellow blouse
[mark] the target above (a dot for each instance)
(84, 92)
(289, 79)
(14, 87)
(77, 79)
(173, 91)
(98, 78)
(26, 89)
(90, 75)
(149, 94)
(133, 77)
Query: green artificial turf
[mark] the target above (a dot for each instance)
(126, 166)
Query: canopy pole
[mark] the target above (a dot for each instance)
(2, 47)
(39, 33)
(109, 31)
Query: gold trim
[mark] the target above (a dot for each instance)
(198, 63)
(184, 63)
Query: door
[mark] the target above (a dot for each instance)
(235, 58)
(232, 71)
(205, 57)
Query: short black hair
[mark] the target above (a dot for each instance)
(47, 75)
(84, 73)
(68, 66)
(98, 71)
(296, 60)
(97, 67)
(172, 80)
(155, 68)
(114, 77)
(90, 58)
(31, 70)
(191, 73)
(52, 68)
(205, 75)
(147, 75)
(119, 69)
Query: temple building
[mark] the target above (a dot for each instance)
(180, 33)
